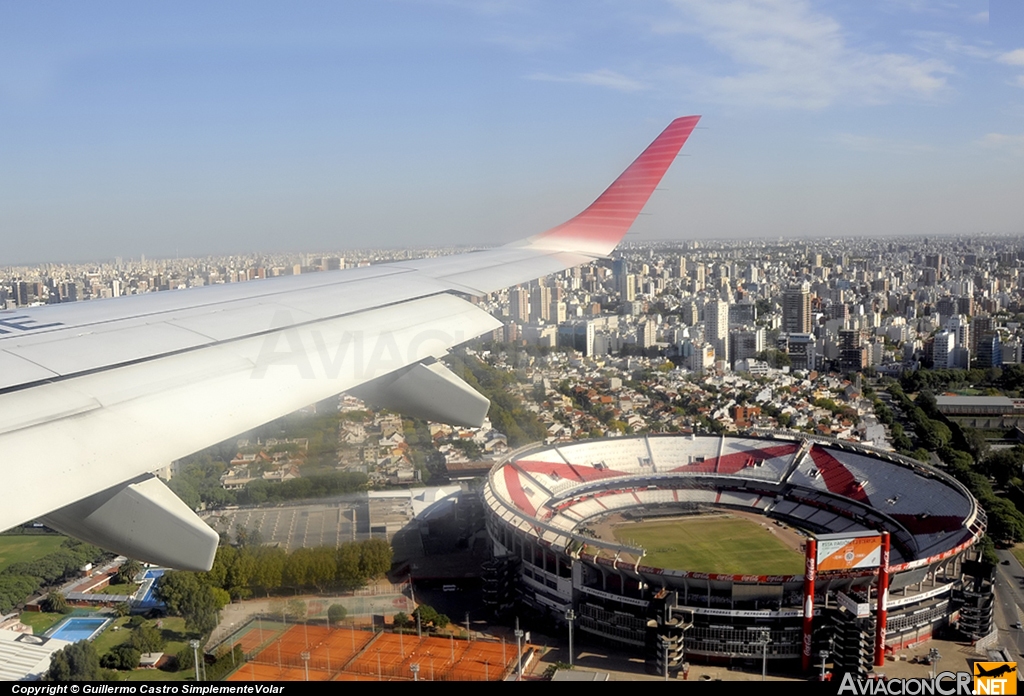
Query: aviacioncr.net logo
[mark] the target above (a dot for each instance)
(995, 678)
(989, 678)
(944, 684)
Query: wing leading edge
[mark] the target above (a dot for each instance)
(95, 396)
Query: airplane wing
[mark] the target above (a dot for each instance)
(94, 396)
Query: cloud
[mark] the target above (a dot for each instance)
(596, 78)
(943, 42)
(868, 143)
(1013, 57)
(1006, 143)
(979, 18)
(790, 55)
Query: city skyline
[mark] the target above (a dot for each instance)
(248, 128)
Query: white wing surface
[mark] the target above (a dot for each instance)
(94, 396)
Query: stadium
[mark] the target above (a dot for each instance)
(696, 547)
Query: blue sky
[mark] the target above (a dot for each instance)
(232, 127)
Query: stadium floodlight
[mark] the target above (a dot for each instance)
(934, 656)
(570, 616)
(194, 644)
(519, 649)
(766, 638)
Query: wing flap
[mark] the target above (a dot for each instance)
(15, 370)
(109, 345)
(429, 391)
(141, 519)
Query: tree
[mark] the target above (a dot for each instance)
(374, 558)
(348, 574)
(187, 596)
(298, 569)
(269, 573)
(127, 572)
(248, 537)
(57, 603)
(186, 659)
(336, 613)
(77, 662)
(226, 555)
(1005, 522)
(402, 620)
(240, 573)
(922, 455)
(147, 639)
(1004, 465)
(123, 657)
(428, 616)
(322, 567)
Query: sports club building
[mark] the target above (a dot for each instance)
(543, 503)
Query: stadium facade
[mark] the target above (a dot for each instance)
(542, 504)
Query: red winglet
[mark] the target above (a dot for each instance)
(601, 226)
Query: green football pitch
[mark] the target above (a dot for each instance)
(27, 547)
(714, 544)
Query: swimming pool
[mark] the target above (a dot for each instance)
(148, 601)
(77, 628)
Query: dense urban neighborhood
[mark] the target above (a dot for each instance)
(910, 347)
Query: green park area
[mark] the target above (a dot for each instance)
(23, 548)
(712, 544)
(41, 621)
(1018, 553)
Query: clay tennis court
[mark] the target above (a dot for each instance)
(288, 648)
(255, 635)
(344, 654)
(257, 672)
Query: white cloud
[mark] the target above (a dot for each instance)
(791, 55)
(1019, 81)
(596, 78)
(868, 143)
(979, 18)
(1006, 143)
(1013, 57)
(943, 42)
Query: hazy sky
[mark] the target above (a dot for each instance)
(193, 128)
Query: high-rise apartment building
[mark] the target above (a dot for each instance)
(796, 309)
(627, 287)
(852, 356)
(942, 349)
(745, 343)
(519, 305)
(540, 303)
(989, 350)
(716, 327)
